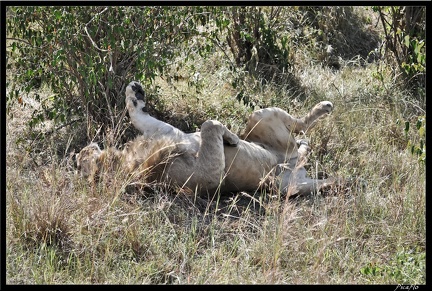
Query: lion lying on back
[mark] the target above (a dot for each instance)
(214, 159)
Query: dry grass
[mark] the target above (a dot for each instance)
(60, 230)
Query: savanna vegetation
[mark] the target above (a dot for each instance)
(67, 69)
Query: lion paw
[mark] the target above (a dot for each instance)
(137, 90)
(135, 98)
(231, 139)
(326, 106)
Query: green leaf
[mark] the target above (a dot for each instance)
(407, 41)
(407, 126)
(419, 123)
(365, 270)
(57, 14)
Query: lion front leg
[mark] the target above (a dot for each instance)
(135, 100)
(209, 170)
(141, 119)
(136, 106)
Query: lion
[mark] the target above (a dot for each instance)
(214, 159)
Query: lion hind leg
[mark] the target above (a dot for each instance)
(295, 183)
(309, 121)
(307, 186)
(303, 152)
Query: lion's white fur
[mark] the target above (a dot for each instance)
(215, 159)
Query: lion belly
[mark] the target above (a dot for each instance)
(246, 166)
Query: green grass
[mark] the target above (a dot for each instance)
(60, 230)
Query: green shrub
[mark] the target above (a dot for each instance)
(417, 145)
(87, 55)
(405, 37)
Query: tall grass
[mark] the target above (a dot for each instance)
(61, 230)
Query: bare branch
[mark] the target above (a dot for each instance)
(85, 29)
(19, 39)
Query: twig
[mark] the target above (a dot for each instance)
(19, 39)
(61, 126)
(95, 45)
(85, 29)
(108, 105)
(337, 89)
(217, 43)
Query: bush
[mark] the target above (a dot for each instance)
(88, 55)
(405, 37)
